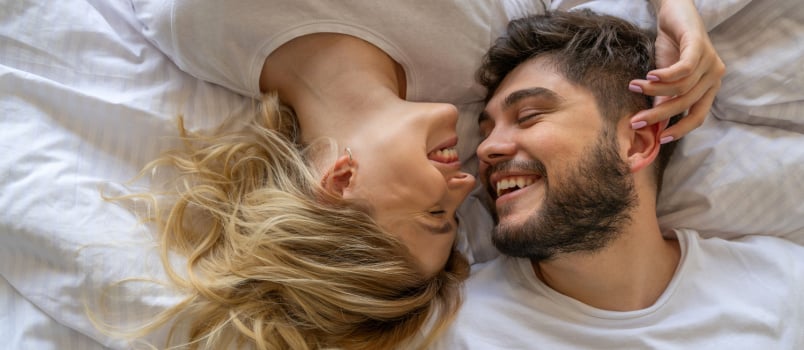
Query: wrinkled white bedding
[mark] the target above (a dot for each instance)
(86, 101)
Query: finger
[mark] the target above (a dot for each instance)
(661, 99)
(668, 108)
(661, 112)
(681, 84)
(695, 118)
(679, 87)
(689, 61)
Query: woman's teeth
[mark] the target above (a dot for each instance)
(445, 155)
(509, 183)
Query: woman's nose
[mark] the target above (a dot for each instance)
(446, 114)
(462, 183)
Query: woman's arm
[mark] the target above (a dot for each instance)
(688, 70)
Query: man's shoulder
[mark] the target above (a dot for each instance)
(785, 253)
(759, 252)
(750, 243)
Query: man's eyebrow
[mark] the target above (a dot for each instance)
(540, 92)
(519, 95)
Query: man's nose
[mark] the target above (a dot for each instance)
(497, 147)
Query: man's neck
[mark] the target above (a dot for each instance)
(631, 273)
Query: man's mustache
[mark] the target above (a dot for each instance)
(529, 166)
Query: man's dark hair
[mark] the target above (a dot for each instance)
(597, 52)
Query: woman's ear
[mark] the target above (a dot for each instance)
(644, 146)
(341, 175)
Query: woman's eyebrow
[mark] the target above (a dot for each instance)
(445, 228)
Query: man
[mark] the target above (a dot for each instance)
(575, 184)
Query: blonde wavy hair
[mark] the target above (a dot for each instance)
(274, 261)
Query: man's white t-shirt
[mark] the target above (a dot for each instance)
(741, 294)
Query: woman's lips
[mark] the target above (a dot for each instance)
(445, 152)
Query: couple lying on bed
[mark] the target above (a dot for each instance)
(330, 221)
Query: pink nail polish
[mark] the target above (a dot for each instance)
(652, 77)
(635, 88)
(639, 125)
(666, 139)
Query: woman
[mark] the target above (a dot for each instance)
(292, 245)
(301, 247)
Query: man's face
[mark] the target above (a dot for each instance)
(553, 166)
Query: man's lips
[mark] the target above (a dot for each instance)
(504, 184)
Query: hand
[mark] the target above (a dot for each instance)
(688, 70)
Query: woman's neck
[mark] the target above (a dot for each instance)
(332, 81)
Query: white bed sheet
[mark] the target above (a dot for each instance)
(26, 326)
(86, 101)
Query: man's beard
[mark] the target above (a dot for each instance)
(584, 213)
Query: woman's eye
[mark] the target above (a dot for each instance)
(438, 213)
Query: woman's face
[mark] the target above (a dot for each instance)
(409, 173)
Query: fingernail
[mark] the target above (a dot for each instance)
(652, 77)
(635, 88)
(666, 139)
(639, 125)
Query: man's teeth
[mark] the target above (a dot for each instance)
(514, 181)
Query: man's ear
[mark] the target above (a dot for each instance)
(644, 146)
(341, 175)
